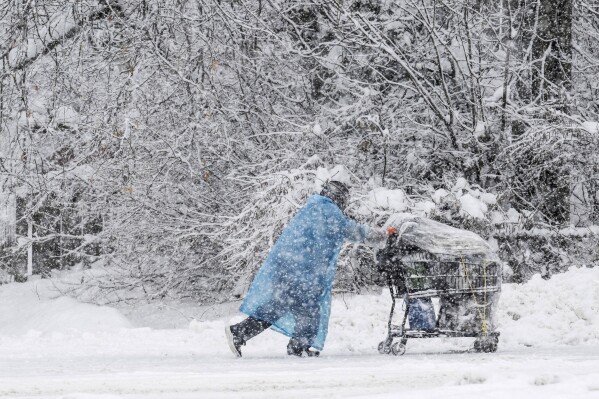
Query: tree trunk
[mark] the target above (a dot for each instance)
(546, 42)
(552, 51)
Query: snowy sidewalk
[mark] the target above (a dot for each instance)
(530, 373)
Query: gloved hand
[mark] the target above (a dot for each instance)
(393, 231)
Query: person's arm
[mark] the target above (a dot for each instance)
(378, 237)
(363, 234)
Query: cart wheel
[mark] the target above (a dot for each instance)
(492, 344)
(486, 344)
(492, 347)
(398, 349)
(384, 347)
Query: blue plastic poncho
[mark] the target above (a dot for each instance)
(292, 289)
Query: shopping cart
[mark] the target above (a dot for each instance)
(428, 259)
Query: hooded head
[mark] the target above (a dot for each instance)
(337, 192)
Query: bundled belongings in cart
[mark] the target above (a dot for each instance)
(427, 260)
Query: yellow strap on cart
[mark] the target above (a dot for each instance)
(483, 313)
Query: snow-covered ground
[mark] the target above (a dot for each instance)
(60, 348)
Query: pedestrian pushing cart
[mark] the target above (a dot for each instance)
(427, 260)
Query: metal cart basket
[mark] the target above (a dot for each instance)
(429, 259)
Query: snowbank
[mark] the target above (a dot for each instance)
(31, 307)
(563, 310)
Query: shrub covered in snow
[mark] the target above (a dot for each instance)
(166, 141)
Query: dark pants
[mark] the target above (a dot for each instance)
(249, 328)
(307, 321)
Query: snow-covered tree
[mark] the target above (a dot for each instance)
(170, 141)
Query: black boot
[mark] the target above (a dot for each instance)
(238, 334)
(234, 340)
(296, 348)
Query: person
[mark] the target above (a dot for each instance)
(291, 293)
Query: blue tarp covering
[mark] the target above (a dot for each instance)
(292, 289)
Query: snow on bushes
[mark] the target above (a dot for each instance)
(461, 203)
(472, 207)
(338, 172)
(393, 200)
